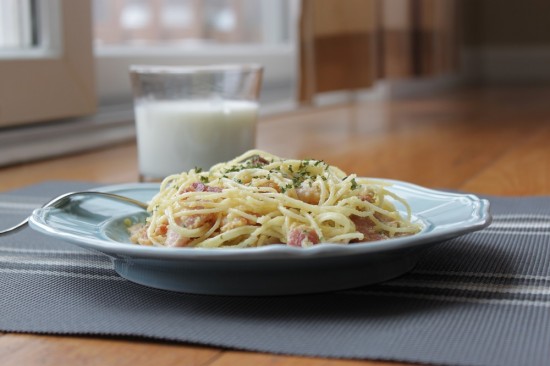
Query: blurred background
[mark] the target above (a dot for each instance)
(64, 82)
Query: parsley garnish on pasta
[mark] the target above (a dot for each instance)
(259, 199)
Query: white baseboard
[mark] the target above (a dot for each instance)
(497, 65)
(46, 140)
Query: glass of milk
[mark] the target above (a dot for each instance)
(193, 116)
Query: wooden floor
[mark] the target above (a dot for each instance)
(486, 141)
(463, 140)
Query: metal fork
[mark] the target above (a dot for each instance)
(60, 201)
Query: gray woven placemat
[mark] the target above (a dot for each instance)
(481, 299)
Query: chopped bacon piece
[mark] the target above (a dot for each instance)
(270, 184)
(174, 239)
(256, 160)
(201, 187)
(228, 224)
(196, 221)
(308, 194)
(302, 236)
(162, 229)
(138, 234)
(366, 226)
(367, 197)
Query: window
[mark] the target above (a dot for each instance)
(186, 23)
(46, 63)
(58, 57)
(176, 32)
(17, 29)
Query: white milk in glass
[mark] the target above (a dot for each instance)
(175, 136)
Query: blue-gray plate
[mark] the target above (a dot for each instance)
(99, 224)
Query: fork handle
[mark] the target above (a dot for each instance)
(15, 228)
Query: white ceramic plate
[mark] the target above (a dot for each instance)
(97, 223)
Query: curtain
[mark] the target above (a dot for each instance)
(349, 44)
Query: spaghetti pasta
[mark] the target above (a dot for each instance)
(258, 199)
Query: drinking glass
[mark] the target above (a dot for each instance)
(193, 116)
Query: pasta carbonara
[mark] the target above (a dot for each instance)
(259, 199)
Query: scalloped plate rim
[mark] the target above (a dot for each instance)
(273, 252)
